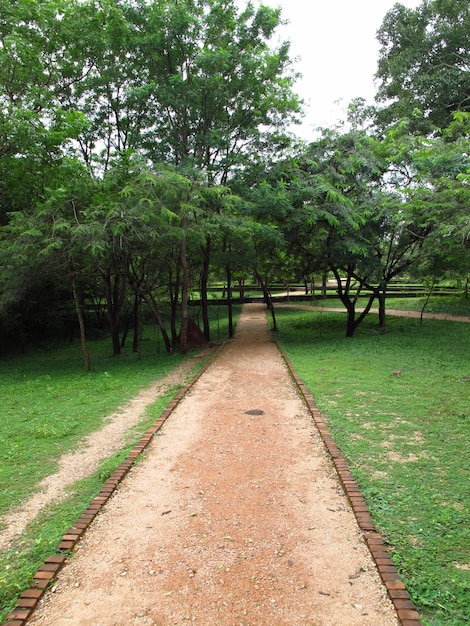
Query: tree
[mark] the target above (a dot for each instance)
(437, 182)
(53, 234)
(218, 93)
(424, 63)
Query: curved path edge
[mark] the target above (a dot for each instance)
(47, 573)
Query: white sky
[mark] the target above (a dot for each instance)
(336, 43)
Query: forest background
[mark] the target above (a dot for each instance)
(145, 152)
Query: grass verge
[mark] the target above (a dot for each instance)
(49, 405)
(398, 406)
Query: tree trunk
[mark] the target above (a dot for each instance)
(114, 297)
(159, 320)
(204, 283)
(267, 299)
(381, 298)
(351, 324)
(344, 293)
(184, 293)
(137, 326)
(81, 323)
(229, 300)
(324, 280)
(174, 291)
(241, 289)
(133, 319)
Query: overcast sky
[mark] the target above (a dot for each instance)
(336, 43)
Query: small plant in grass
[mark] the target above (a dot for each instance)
(398, 407)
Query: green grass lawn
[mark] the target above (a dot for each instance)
(398, 406)
(49, 404)
(405, 437)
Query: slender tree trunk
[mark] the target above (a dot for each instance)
(130, 321)
(159, 320)
(428, 297)
(324, 280)
(137, 326)
(351, 320)
(174, 291)
(184, 293)
(229, 300)
(81, 323)
(204, 284)
(381, 298)
(267, 299)
(114, 297)
(241, 287)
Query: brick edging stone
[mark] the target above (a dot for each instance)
(406, 611)
(47, 573)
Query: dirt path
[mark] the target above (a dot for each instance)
(393, 312)
(234, 516)
(81, 463)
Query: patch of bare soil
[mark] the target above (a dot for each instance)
(394, 312)
(81, 463)
(234, 516)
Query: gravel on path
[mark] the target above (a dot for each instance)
(234, 516)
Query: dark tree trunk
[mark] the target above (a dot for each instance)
(324, 281)
(81, 323)
(229, 301)
(137, 327)
(349, 301)
(160, 323)
(381, 299)
(267, 299)
(241, 288)
(174, 291)
(204, 283)
(351, 324)
(114, 291)
(184, 294)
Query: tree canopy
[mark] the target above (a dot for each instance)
(424, 62)
(146, 147)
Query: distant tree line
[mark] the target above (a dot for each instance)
(145, 151)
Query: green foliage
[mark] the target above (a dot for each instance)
(397, 406)
(423, 63)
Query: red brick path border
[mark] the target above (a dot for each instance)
(47, 573)
(406, 611)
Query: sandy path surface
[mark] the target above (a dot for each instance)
(234, 516)
(81, 463)
(394, 312)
